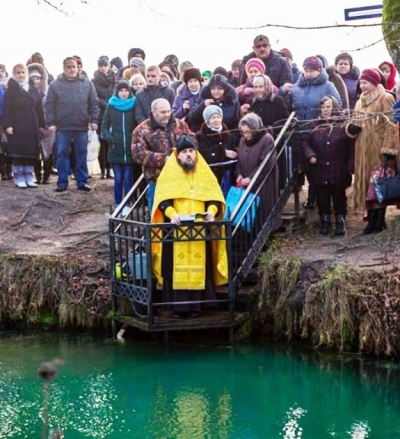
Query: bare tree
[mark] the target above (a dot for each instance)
(63, 6)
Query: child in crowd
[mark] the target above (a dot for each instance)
(138, 82)
(118, 124)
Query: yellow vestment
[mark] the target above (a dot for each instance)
(189, 192)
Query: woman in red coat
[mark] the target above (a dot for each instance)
(330, 153)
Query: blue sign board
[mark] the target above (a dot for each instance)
(363, 12)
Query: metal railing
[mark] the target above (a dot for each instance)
(245, 234)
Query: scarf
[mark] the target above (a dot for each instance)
(122, 104)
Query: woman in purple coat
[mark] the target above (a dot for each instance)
(188, 97)
(331, 153)
(255, 144)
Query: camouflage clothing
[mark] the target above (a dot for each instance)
(152, 144)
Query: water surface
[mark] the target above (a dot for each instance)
(140, 390)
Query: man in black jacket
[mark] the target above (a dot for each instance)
(71, 105)
(276, 66)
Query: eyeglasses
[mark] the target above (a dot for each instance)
(261, 46)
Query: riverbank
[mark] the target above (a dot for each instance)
(339, 293)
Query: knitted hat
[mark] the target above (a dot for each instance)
(138, 62)
(120, 85)
(313, 63)
(219, 80)
(236, 64)
(117, 62)
(371, 76)
(255, 62)
(206, 74)
(3, 67)
(35, 73)
(192, 73)
(286, 53)
(184, 142)
(103, 61)
(344, 55)
(135, 52)
(220, 71)
(173, 60)
(210, 111)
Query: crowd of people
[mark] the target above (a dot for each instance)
(139, 111)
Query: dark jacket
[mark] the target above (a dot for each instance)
(145, 97)
(23, 111)
(72, 105)
(117, 129)
(212, 146)
(272, 110)
(328, 142)
(104, 85)
(230, 107)
(276, 67)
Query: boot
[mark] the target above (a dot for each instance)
(325, 224)
(9, 168)
(28, 175)
(108, 174)
(19, 177)
(340, 230)
(3, 172)
(46, 171)
(380, 224)
(311, 199)
(38, 171)
(372, 218)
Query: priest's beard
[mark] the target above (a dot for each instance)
(187, 166)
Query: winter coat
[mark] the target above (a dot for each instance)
(145, 97)
(229, 105)
(250, 158)
(213, 146)
(184, 94)
(373, 114)
(71, 104)
(23, 111)
(116, 129)
(276, 67)
(306, 95)
(272, 110)
(152, 144)
(340, 85)
(104, 85)
(351, 80)
(334, 150)
(49, 137)
(1, 102)
(296, 72)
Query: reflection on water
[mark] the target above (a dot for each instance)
(109, 390)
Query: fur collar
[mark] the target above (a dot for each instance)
(368, 98)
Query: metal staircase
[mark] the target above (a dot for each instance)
(138, 301)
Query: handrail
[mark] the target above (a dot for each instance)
(262, 165)
(259, 170)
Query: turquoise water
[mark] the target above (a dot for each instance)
(140, 390)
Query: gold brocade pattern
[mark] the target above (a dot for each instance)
(189, 197)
